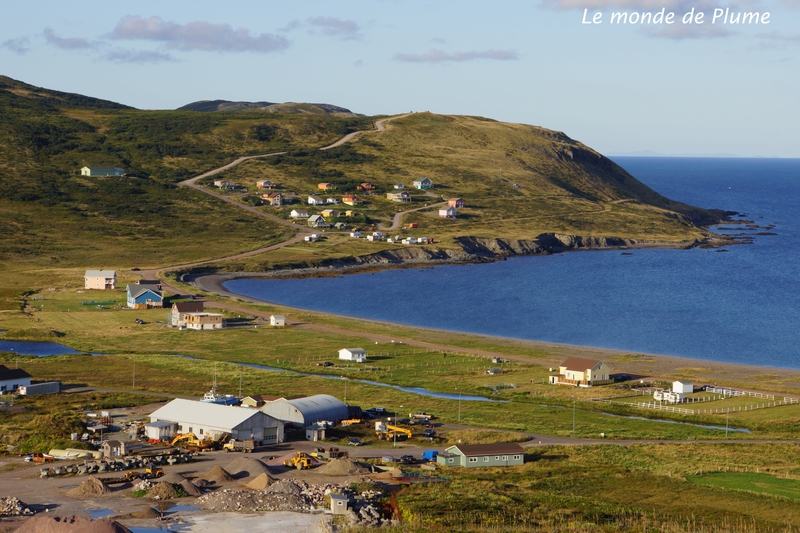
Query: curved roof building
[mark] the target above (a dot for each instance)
(306, 411)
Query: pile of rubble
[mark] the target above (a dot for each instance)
(13, 507)
(285, 495)
(366, 515)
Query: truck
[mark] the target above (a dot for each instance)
(233, 445)
(430, 455)
(51, 387)
(421, 415)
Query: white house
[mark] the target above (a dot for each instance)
(581, 372)
(224, 184)
(299, 213)
(179, 309)
(315, 200)
(102, 171)
(683, 387)
(448, 212)
(100, 279)
(277, 320)
(317, 221)
(359, 355)
(13, 378)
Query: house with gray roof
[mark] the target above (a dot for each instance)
(102, 171)
(144, 296)
(100, 279)
(473, 455)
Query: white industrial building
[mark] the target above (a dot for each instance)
(683, 387)
(277, 320)
(303, 412)
(359, 355)
(211, 420)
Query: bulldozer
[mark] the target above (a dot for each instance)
(151, 472)
(389, 432)
(300, 461)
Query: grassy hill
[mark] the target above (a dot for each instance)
(211, 106)
(518, 181)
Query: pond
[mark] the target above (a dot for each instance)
(39, 349)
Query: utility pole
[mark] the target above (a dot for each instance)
(240, 382)
(134, 375)
(459, 405)
(573, 417)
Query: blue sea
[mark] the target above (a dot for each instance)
(740, 305)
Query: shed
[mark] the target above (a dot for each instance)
(683, 387)
(472, 455)
(160, 430)
(359, 355)
(212, 419)
(448, 212)
(303, 412)
(277, 320)
(315, 432)
(339, 503)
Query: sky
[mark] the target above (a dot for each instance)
(703, 87)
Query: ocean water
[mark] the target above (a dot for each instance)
(739, 305)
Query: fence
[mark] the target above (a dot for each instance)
(658, 406)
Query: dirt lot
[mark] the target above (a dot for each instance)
(50, 495)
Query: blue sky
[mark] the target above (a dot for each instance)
(673, 89)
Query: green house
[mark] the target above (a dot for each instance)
(472, 455)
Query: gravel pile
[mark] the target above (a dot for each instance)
(162, 491)
(261, 482)
(244, 467)
(218, 475)
(342, 467)
(70, 524)
(189, 488)
(13, 507)
(91, 487)
(285, 495)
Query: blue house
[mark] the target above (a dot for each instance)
(144, 297)
(423, 183)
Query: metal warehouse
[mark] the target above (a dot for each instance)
(211, 420)
(303, 412)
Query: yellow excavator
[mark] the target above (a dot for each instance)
(389, 432)
(300, 461)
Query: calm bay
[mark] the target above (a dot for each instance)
(738, 304)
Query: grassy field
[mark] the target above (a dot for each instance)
(752, 482)
(608, 488)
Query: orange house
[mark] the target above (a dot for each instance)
(325, 186)
(455, 202)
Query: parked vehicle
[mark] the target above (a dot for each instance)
(430, 455)
(139, 321)
(388, 459)
(429, 433)
(408, 459)
(300, 461)
(233, 445)
(354, 441)
(422, 415)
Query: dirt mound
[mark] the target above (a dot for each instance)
(218, 475)
(70, 524)
(342, 467)
(162, 491)
(261, 482)
(91, 487)
(247, 467)
(173, 477)
(189, 488)
(150, 512)
(201, 483)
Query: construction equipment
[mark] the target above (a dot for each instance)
(233, 445)
(180, 437)
(388, 432)
(151, 472)
(300, 461)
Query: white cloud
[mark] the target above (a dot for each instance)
(345, 29)
(197, 35)
(680, 31)
(124, 55)
(20, 46)
(68, 43)
(439, 56)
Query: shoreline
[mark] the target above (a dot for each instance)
(640, 365)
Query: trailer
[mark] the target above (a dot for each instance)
(51, 387)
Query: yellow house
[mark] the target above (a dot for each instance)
(581, 372)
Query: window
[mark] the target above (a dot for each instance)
(473, 459)
(505, 458)
(486, 459)
(516, 457)
(190, 429)
(450, 460)
(496, 457)
(201, 431)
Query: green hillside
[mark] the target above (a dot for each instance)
(518, 181)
